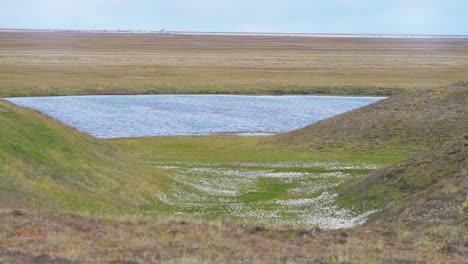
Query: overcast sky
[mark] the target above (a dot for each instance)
(327, 16)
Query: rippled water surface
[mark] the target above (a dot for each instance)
(112, 116)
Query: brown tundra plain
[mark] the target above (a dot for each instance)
(69, 62)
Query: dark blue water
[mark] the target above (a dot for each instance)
(112, 116)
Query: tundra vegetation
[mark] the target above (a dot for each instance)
(400, 164)
(74, 63)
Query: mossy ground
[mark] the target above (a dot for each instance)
(236, 177)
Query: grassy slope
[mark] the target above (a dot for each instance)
(428, 188)
(418, 119)
(47, 165)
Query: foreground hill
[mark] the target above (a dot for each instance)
(44, 164)
(67, 238)
(423, 225)
(417, 118)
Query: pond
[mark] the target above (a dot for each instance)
(114, 116)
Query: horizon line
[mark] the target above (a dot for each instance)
(234, 33)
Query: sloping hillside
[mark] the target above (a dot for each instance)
(44, 164)
(429, 188)
(418, 118)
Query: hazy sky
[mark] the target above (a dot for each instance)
(328, 16)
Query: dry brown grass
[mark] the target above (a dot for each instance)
(66, 238)
(33, 63)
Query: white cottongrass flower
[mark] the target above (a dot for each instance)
(216, 189)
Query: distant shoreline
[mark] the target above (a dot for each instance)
(259, 34)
